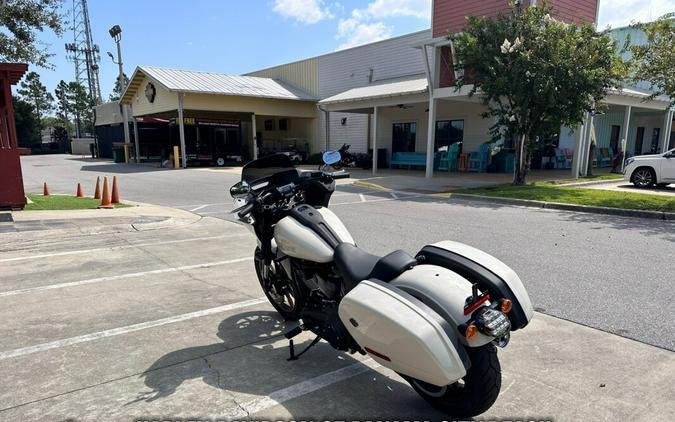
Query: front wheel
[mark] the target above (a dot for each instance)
(280, 289)
(473, 394)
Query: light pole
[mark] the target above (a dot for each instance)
(116, 34)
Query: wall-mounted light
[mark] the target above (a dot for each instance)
(343, 121)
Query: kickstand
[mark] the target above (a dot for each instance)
(292, 348)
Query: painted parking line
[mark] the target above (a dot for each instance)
(306, 387)
(127, 329)
(199, 207)
(112, 248)
(369, 201)
(120, 277)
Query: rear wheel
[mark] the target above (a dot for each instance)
(644, 177)
(281, 291)
(473, 394)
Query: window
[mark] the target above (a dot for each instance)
(283, 124)
(449, 132)
(403, 137)
(269, 124)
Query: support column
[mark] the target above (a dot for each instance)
(669, 129)
(431, 136)
(181, 130)
(664, 128)
(137, 142)
(254, 132)
(327, 115)
(624, 134)
(375, 113)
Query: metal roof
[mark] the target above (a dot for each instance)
(218, 83)
(381, 90)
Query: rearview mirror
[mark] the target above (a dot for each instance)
(240, 190)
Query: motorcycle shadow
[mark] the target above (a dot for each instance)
(251, 362)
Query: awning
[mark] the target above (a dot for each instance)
(381, 90)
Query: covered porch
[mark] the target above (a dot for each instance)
(445, 132)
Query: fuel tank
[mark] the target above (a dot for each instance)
(311, 233)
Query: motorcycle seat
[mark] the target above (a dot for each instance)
(357, 265)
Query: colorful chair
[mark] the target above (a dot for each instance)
(478, 160)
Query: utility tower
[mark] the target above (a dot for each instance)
(83, 52)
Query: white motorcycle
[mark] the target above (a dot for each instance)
(434, 318)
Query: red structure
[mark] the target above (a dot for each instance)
(11, 180)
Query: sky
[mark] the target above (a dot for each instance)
(238, 36)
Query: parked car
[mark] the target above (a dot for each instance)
(648, 170)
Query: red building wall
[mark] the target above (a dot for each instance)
(11, 180)
(450, 15)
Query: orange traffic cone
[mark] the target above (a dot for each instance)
(105, 200)
(80, 192)
(45, 189)
(97, 192)
(115, 192)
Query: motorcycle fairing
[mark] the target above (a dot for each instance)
(489, 273)
(401, 333)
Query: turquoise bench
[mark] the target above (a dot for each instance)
(409, 159)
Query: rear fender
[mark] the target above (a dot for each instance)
(489, 273)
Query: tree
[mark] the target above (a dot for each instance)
(27, 127)
(654, 61)
(34, 92)
(117, 89)
(81, 104)
(534, 73)
(62, 104)
(20, 20)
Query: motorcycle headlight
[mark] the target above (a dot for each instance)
(491, 322)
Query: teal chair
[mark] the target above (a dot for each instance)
(478, 160)
(443, 164)
(453, 157)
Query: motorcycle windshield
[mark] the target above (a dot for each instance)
(265, 167)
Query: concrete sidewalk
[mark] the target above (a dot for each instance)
(137, 217)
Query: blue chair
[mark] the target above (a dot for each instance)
(478, 160)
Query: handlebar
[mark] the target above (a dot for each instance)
(246, 209)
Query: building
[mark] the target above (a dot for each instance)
(396, 95)
(11, 179)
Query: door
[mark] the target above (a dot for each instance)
(404, 137)
(655, 140)
(639, 138)
(668, 167)
(614, 138)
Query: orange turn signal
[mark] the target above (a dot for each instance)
(506, 306)
(471, 332)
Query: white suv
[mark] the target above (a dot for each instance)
(647, 170)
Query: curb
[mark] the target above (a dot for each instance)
(655, 215)
(592, 182)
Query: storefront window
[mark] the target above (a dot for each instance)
(448, 132)
(404, 136)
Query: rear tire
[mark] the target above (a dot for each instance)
(282, 292)
(474, 394)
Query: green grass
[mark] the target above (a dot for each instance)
(547, 192)
(599, 177)
(63, 202)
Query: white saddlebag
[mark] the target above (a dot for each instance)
(403, 334)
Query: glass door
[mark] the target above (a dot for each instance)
(639, 138)
(404, 137)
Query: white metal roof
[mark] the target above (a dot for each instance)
(382, 90)
(222, 84)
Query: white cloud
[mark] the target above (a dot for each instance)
(380, 9)
(366, 25)
(617, 13)
(305, 11)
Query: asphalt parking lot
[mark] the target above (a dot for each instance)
(171, 323)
